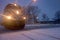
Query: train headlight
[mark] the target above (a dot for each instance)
(17, 12)
(24, 18)
(8, 17)
(15, 4)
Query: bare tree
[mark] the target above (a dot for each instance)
(57, 16)
(33, 12)
(45, 17)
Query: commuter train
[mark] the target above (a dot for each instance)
(14, 17)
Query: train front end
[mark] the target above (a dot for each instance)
(14, 17)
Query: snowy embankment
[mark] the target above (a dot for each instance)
(32, 26)
(36, 34)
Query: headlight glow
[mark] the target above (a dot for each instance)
(15, 4)
(24, 17)
(8, 17)
(17, 12)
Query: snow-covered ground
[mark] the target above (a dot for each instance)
(34, 32)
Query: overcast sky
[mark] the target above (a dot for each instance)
(47, 6)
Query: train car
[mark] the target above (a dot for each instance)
(14, 17)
